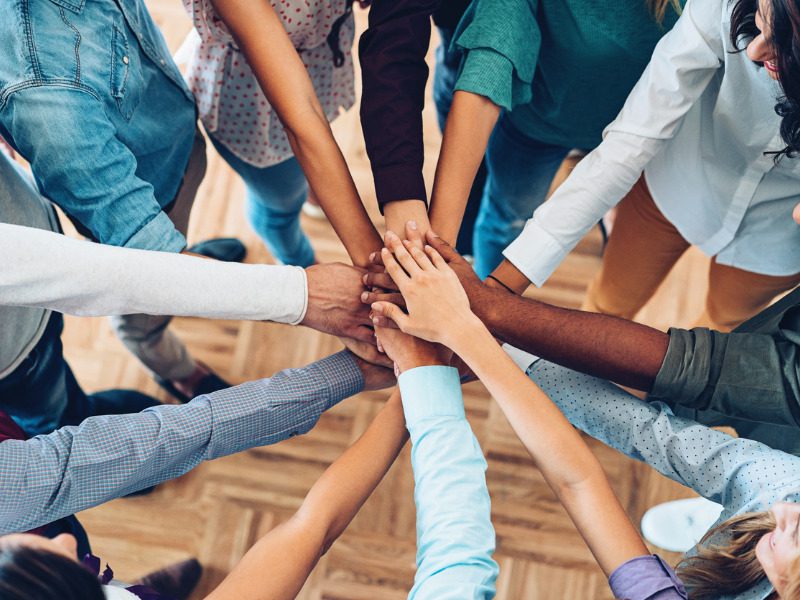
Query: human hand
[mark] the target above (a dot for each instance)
(334, 302)
(438, 306)
(376, 377)
(406, 351)
(367, 351)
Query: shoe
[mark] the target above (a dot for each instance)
(210, 383)
(224, 249)
(174, 581)
(677, 526)
(314, 211)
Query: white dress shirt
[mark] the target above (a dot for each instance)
(698, 124)
(49, 270)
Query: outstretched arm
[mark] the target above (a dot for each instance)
(286, 84)
(438, 310)
(291, 551)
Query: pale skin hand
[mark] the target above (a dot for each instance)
(284, 80)
(469, 125)
(608, 347)
(438, 310)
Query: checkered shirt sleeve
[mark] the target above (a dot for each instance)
(74, 468)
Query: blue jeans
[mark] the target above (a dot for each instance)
(275, 196)
(42, 394)
(519, 173)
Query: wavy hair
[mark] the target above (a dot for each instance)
(730, 566)
(785, 25)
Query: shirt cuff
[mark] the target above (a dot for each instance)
(399, 182)
(535, 253)
(684, 373)
(490, 74)
(433, 391)
(522, 359)
(645, 578)
(158, 234)
(296, 285)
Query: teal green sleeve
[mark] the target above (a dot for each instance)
(501, 41)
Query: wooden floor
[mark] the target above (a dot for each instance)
(216, 512)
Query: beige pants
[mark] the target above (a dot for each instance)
(147, 336)
(643, 248)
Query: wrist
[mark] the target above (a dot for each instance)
(467, 333)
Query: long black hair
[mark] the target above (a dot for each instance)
(785, 26)
(33, 574)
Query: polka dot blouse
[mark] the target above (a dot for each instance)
(231, 104)
(742, 475)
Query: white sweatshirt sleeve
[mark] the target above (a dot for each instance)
(48, 270)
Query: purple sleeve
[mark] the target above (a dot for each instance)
(392, 53)
(646, 578)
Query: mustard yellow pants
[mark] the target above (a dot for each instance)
(641, 250)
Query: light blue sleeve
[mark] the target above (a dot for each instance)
(737, 473)
(74, 468)
(455, 537)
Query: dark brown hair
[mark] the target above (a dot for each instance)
(785, 26)
(32, 574)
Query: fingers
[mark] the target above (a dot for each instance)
(436, 258)
(375, 259)
(394, 269)
(414, 235)
(372, 297)
(382, 322)
(392, 312)
(419, 256)
(363, 333)
(442, 247)
(380, 280)
(395, 245)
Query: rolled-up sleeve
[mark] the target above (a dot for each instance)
(749, 376)
(501, 41)
(86, 170)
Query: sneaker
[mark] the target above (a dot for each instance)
(677, 526)
(224, 249)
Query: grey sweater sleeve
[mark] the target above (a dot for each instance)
(749, 376)
(47, 270)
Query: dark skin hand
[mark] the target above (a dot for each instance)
(622, 351)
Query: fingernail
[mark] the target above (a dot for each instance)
(391, 234)
(412, 225)
(364, 296)
(365, 278)
(385, 251)
(372, 256)
(433, 233)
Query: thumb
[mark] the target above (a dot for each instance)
(442, 247)
(391, 311)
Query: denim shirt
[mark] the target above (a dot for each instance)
(90, 96)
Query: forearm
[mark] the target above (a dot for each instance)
(469, 125)
(328, 508)
(58, 473)
(566, 462)
(608, 347)
(337, 496)
(285, 82)
(49, 270)
(329, 177)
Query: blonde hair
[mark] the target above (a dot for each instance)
(730, 566)
(659, 8)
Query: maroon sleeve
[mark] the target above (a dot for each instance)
(392, 53)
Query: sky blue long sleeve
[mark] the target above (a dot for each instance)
(455, 537)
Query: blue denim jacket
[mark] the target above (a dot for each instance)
(90, 96)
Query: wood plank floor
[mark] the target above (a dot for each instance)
(216, 512)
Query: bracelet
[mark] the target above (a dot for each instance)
(501, 283)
